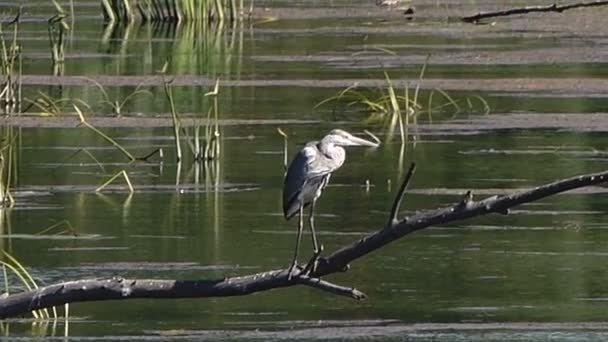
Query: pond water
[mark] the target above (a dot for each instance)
(536, 274)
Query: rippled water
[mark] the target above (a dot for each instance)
(537, 274)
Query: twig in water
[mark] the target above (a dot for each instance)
(530, 9)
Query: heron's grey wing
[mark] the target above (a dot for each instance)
(307, 166)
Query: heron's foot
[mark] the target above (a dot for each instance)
(292, 268)
(312, 264)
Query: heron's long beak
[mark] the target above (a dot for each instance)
(355, 141)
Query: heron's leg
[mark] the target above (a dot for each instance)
(311, 222)
(311, 266)
(300, 227)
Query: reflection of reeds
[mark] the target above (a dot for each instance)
(11, 70)
(210, 49)
(57, 27)
(7, 167)
(171, 10)
(206, 49)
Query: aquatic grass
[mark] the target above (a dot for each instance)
(115, 104)
(203, 148)
(174, 117)
(69, 228)
(118, 174)
(394, 109)
(11, 69)
(106, 137)
(8, 157)
(6, 198)
(48, 106)
(87, 153)
(398, 112)
(211, 145)
(22, 278)
(25, 277)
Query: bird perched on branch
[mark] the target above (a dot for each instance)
(307, 176)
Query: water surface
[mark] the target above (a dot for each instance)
(536, 274)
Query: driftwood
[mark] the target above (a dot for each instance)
(530, 9)
(338, 261)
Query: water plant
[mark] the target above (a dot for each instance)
(174, 116)
(106, 137)
(117, 145)
(26, 279)
(7, 167)
(118, 174)
(11, 267)
(117, 105)
(63, 223)
(47, 105)
(210, 146)
(10, 69)
(6, 199)
(398, 112)
(206, 147)
(88, 154)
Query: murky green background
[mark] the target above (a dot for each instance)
(544, 264)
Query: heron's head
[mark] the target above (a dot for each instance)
(343, 138)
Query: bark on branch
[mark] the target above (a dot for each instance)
(529, 9)
(120, 288)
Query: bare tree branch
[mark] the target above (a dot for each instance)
(392, 220)
(120, 288)
(529, 9)
(340, 259)
(330, 287)
(86, 290)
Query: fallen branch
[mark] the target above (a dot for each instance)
(120, 288)
(529, 9)
(87, 290)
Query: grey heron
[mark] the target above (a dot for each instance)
(309, 173)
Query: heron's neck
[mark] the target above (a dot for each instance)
(330, 150)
